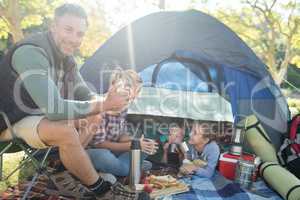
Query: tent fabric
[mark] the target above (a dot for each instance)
(193, 35)
(247, 100)
(155, 37)
(240, 88)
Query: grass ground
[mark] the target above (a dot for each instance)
(10, 162)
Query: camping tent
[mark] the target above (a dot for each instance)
(200, 40)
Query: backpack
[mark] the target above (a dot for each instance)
(289, 152)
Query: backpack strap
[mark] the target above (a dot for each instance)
(294, 126)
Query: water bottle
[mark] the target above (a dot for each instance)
(135, 163)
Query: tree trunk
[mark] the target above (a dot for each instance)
(16, 31)
(282, 72)
(13, 17)
(271, 62)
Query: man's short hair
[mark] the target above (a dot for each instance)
(71, 9)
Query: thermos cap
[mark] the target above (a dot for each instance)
(135, 144)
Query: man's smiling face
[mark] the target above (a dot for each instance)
(68, 31)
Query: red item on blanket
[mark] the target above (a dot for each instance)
(227, 164)
(148, 188)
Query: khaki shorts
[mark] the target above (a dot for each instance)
(27, 130)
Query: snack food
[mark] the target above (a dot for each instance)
(165, 185)
(162, 182)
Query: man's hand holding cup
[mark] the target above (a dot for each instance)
(148, 146)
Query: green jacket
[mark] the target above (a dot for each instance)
(40, 80)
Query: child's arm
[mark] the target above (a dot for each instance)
(212, 151)
(125, 138)
(165, 153)
(114, 146)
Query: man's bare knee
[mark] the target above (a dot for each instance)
(69, 136)
(58, 133)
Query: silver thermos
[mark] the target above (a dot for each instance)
(135, 163)
(237, 141)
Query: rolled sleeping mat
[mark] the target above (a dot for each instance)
(281, 180)
(258, 139)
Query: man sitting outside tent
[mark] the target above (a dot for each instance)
(42, 72)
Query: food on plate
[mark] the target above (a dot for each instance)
(162, 182)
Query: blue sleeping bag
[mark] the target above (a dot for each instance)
(175, 76)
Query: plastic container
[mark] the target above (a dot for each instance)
(228, 163)
(244, 172)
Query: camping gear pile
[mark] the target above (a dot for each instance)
(238, 165)
(279, 178)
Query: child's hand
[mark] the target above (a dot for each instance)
(187, 169)
(116, 101)
(172, 138)
(176, 135)
(166, 146)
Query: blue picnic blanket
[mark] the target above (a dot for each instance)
(220, 188)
